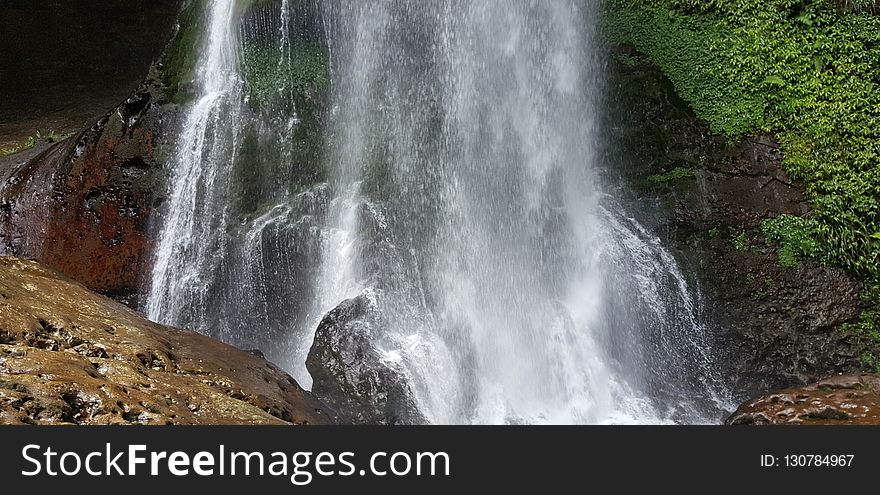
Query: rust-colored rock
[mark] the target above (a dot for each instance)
(843, 399)
(82, 206)
(69, 356)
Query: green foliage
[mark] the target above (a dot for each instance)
(676, 174)
(268, 72)
(687, 49)
(796, 237)
(33, 140)
(804, 70)
(871, 360)
(629, 60)
(740, 242)
(866, 331)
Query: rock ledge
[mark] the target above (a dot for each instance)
(70, 356)
(842, 399)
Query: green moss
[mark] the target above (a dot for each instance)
(181, 57)
(268, 73)
(804, 70)
(674, 175)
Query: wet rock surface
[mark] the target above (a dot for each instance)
(844, 399)
(776, 327)
(69, 356)
(82, 206)
(351, 372)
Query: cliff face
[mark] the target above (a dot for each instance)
(81, 206)
(775, 326)
(69, 356)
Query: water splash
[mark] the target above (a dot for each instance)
(461, 192)
(479, 119)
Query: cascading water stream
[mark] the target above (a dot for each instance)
(191, 240)
(460, 191)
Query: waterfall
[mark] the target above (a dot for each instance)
(191, 242)
(459, 187)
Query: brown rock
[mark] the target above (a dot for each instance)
(843, 399)
(69, 356)
(65, 64)
(82, 206)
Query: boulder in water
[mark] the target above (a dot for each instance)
(352, 374)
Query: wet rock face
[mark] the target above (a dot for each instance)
(351, 373)
(776, 327)
(844, 399)
(81, 207)
(69, 356)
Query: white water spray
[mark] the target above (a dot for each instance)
(462, 194)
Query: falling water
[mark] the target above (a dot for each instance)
(191, 241)
(459, 189)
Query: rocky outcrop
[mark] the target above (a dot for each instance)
(69, 356)
(82, 206)
(843, 399)
(776, 327)
(352, 373)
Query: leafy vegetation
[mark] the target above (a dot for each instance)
(796, 237)
(33, 140)
(740, 242)
(805, 70)
(629, 60)
(676, 174)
